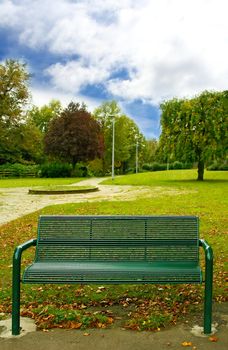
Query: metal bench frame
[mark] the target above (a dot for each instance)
(16, 281)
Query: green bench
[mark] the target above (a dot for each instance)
(115, 250)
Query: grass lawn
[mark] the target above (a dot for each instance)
(146, 307)
(31, 182)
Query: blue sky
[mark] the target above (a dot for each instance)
(136, 52)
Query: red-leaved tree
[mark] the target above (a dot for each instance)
(74, 136)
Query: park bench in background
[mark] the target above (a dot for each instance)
(115, 250)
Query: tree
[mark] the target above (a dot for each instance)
(74, 136)
(14, 92)
(195, 129)
(105, 115)
(14, 95)
(151, 147)
(42, 116)
(126, 132)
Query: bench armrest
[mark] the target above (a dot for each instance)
(207, 249)
(18, 253)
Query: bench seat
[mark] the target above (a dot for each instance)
(112, 272)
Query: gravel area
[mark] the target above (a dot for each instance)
(16, 202)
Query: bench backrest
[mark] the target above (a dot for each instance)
(118, 238)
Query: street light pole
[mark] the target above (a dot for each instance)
(113, 146)
(136, 157)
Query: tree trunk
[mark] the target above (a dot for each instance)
(73, 162)
(200, 170)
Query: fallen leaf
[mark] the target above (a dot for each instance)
(75, 325)
(86, 334)
(186, 343)
(213, 339)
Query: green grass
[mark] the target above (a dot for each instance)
(31, 182)
(167, 178)
(142, 306)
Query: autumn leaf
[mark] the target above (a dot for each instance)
(75, 325)
(213, 339)
(186, 343)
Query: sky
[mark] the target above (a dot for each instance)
(137, 52)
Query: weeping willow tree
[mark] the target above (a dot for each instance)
(195, 130)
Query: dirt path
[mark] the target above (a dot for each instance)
(16, 202)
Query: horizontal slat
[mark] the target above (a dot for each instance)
(120, 238)
(112, 272)
(117, 243)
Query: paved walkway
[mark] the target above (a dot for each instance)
(16, 202)
(116, 339)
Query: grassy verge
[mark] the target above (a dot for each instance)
(30, 182)
(172, 177)
(141, 307)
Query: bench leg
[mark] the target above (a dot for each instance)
(16, 302)
(208, 297)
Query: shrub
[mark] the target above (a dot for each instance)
(80, 170)
(55, 169)
(218, 166)
(177, 165)
(95, 167)
(154, 166)
(18, 170)
(158, 167)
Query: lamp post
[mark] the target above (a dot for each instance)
(136, 156)
(113, 147)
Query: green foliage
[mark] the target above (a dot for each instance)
(218, 166)
(195, 130)
(42, 116)
(150, 152)
(18, 170)
(55, 169)
(13, 91)
(154, 167)
(14, 96)
(126, 135)
(170, 166)
(80, 170)
(95, 167)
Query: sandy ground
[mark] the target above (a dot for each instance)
(16, 202)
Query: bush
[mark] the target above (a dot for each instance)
(95, 167)
(55, 169)
(18, 170)
(177, 165)
(154, 166)
(171, 166)
(80, 170)
(218, 166)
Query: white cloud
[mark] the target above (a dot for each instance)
(75, 75)
(42, 96)
(169, 47)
